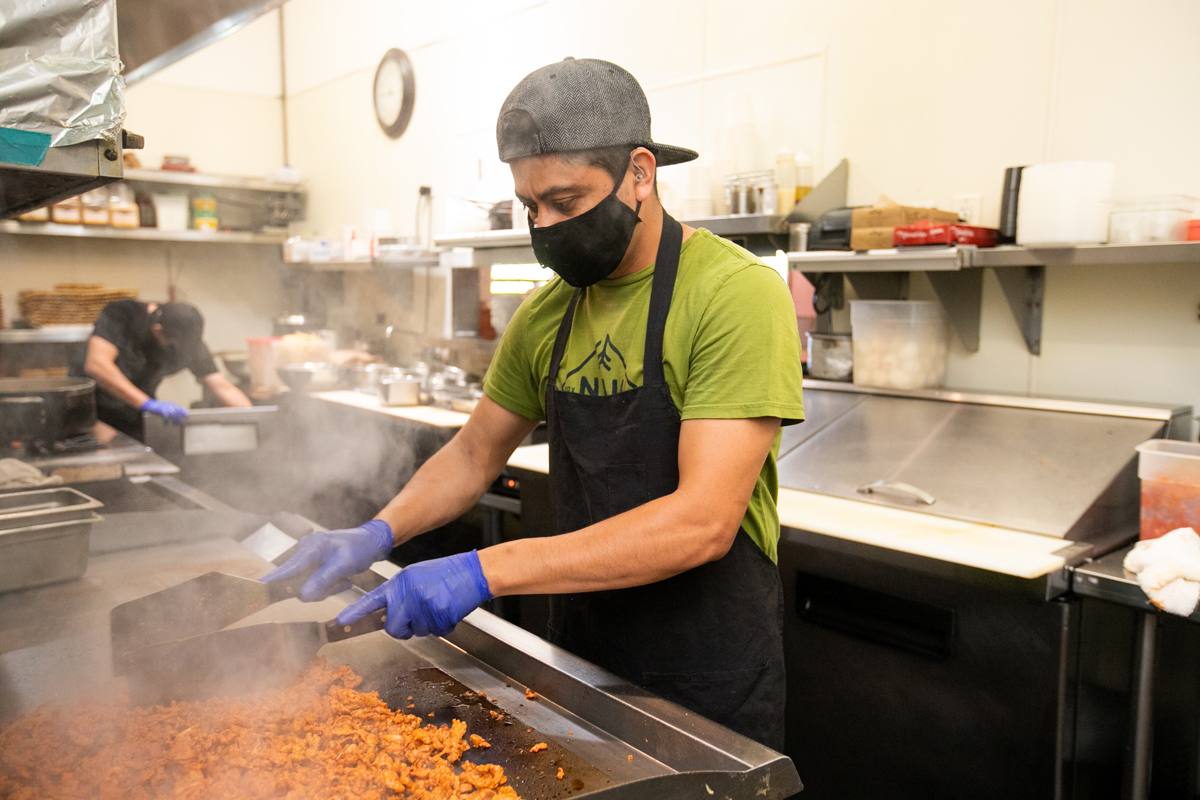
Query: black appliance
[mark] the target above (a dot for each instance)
(1008, 205)
(831, 231)
(46, 410)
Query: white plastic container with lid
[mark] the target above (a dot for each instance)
(1155, 219)
(1067, 202)
(171, 211)
(899, 344)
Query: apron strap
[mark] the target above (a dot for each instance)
(666, 265)
(560, 341)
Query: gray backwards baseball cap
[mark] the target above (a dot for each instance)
(579, 104)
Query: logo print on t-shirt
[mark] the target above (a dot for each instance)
(606, 370)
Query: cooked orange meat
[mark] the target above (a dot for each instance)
(537, 748)
(530, 694)
(318, 740)
(478, 741)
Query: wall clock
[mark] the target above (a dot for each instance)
(395, 91)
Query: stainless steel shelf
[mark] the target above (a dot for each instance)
(956, 258)
(144, 234)
(740, 224)
(54, 334)
(729, 225)
(940, 259)
(209, 181)
(367, 266)
(479, 240)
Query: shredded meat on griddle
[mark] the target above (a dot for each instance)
(317, 739)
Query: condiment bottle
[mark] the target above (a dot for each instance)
(804, 175)
(95, 207)
(785, 181)
(121, 206)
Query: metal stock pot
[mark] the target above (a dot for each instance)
(46, 409)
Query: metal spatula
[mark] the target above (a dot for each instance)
(235, 661)
(202, 605)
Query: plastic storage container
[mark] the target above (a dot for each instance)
(1065, 203)
(899, 344)
(1170, 473)
(830, 356)
(1157, 219)
(171, 211)
(263, 374)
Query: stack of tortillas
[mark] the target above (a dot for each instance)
(68, 303)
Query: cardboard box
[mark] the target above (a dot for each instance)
(928, 233)
(891, 216)
(877, 238)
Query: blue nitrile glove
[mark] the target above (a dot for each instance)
(428, 597)
(172, 413)
(338, 555)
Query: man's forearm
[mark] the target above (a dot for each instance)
(444, 488)
(229, 395)
(649, 543)
(110, 378)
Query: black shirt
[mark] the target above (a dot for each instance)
(140, 357)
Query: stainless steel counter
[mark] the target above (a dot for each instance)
(134, 458)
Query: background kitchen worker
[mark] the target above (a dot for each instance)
(133, 347)
(663, 360)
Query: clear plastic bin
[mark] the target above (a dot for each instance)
(1170, 474)
(899, 344)
(1158, 219)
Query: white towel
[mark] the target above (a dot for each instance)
(1168, 570)
(16, 474)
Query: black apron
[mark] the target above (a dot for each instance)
(710, 639)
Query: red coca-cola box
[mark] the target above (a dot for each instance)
(942, 233)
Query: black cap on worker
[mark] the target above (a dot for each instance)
(579, 104)
(182, 323)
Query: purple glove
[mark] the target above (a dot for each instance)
(172, 413)
(338, 555)
(429, 597)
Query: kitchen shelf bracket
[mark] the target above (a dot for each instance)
(1025, 290)
(879, 285)
(961, 294)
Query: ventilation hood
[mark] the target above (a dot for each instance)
(156, 33)
(62, 92)
(61, 101)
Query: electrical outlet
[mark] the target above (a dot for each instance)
(969, 208)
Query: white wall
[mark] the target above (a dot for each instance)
(220, 106)
(927, 100)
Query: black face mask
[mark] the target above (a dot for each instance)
(587, 249)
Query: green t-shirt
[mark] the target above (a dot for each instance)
(731, 350)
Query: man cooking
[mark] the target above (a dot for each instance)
(133, 347)
(664, 360)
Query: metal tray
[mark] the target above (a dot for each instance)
(41, 506)
(45, 553)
